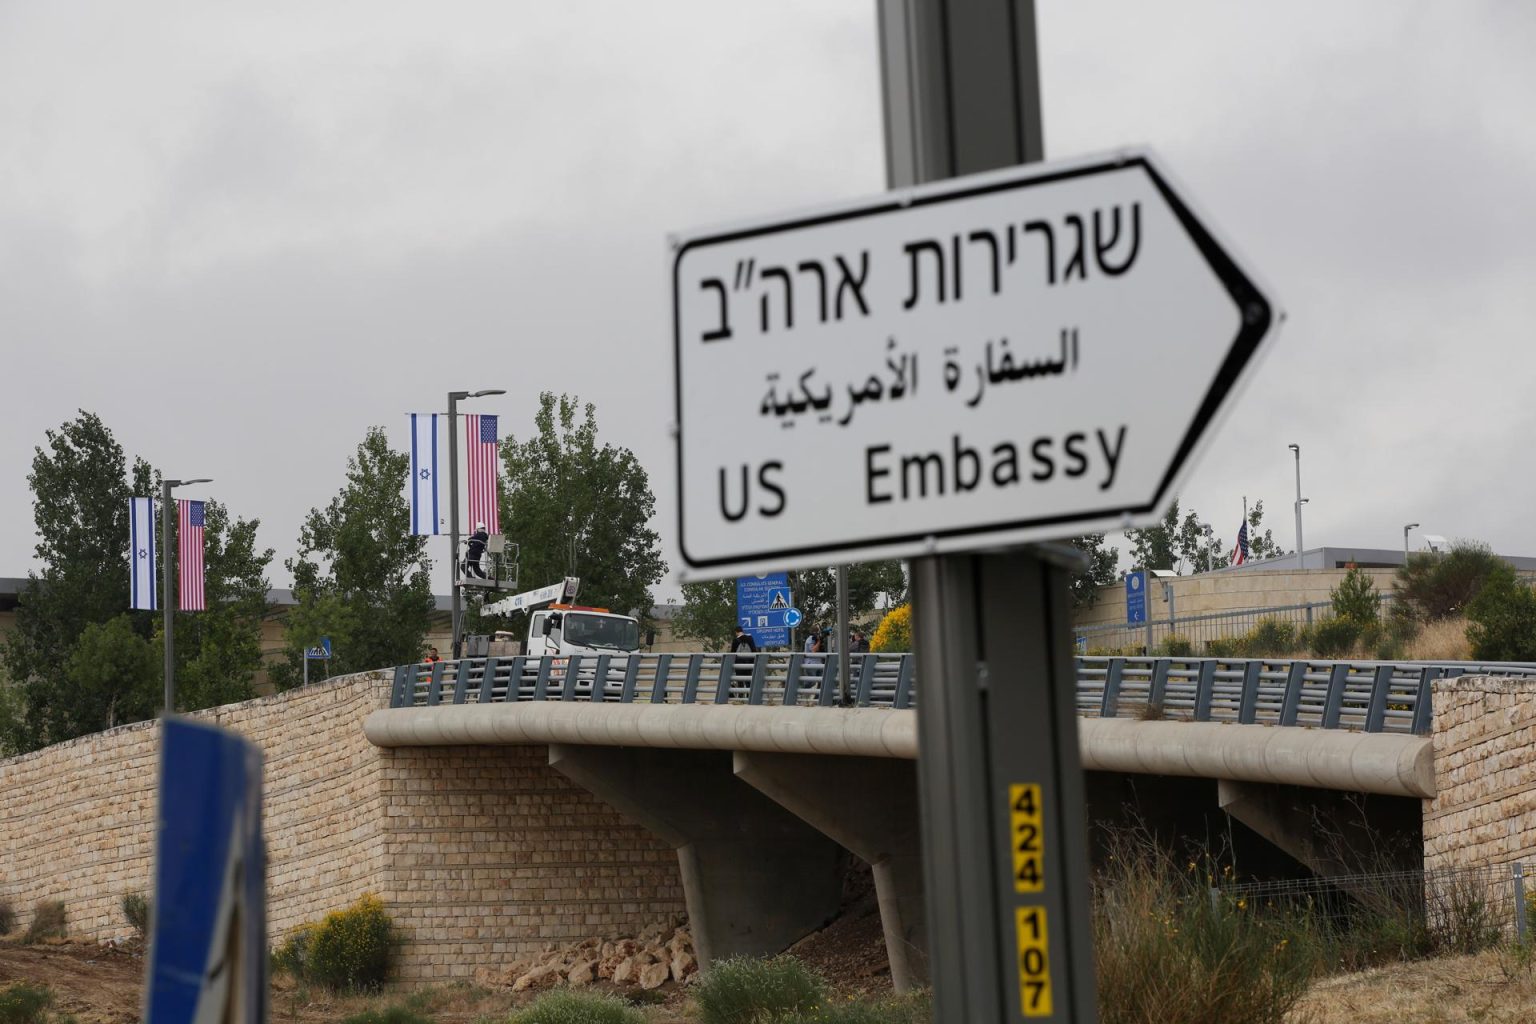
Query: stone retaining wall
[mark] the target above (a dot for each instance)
(478, 852)
(1484, 810)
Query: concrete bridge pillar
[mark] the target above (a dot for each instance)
(1329, 831)
(869, 806)
(755, 877)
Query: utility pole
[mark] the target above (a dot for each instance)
(456, 616)
(1296, 448)
(991, 632)
(168, 568)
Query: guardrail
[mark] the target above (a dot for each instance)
(1362, 696)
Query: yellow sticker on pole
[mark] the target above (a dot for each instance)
(1027, 818)
(1034, 962)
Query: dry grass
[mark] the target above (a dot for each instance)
(1444, 640)
(1497, 986)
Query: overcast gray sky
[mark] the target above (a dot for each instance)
(243, 232)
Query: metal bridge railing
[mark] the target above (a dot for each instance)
(875, 680)
(1362, 696)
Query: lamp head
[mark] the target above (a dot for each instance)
(1295, 448)
(1411, 526)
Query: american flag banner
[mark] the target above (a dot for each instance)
(1240, 553)
(481, 457)
(141, 554)
(189, 555)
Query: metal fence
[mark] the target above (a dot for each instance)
(1365, 696)
(1199, 630)
(1469, 906)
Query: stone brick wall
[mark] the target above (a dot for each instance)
(492, 854)
(478, 852)
(1484, 810)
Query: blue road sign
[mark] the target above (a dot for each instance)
(210, 879)
(1136, 597)
(793, 618)
(320, 653)
(763, 604)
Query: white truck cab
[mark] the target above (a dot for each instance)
(563, 630)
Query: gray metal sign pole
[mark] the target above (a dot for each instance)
(1004, 844)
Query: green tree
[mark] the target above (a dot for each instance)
(579, 508)
(708, 614)
(1199, 549)
(1355, 598)
(1101, 571)
(1434, 586)
(1157, 546)
(80, 487)
(218, 651)
(1503, 618)
(116, 675)
(360, 577)
(1261, 545)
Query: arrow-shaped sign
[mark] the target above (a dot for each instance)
(1012, 356)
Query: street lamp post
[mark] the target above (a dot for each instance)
(453, 503)
(168, 569)
(1296, 448)
(1406, 528)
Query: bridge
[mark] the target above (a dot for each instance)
(497, 805)
(756, 769)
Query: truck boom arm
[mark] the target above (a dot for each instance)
(565, 590)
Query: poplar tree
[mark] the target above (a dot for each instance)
(360, 577)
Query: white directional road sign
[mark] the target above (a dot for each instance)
(1012, 356)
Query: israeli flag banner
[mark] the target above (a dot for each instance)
(141, 554)
(425, 519)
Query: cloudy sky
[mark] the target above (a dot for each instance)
(242, 233)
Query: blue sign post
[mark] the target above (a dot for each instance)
(763, 604)
(208, 944)
(1136, 597)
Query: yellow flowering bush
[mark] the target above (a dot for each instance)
(348, 950)
(894, 634)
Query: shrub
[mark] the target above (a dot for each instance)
(1269, 637)
(894, 633)
(748, 991)
(349, 950)
(47, 922)
(393, 1014)
(24, 1003)
(1334, 638)
(7, 917)
(1176, 645)
(566, 1007)
(1432, 586)
(1165, 951)
(1503, 619)
(1355, 598)
(136, 910)
(1224, 647)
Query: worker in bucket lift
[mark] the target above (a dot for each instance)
(474, 555)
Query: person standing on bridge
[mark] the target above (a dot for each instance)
(743, 641)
